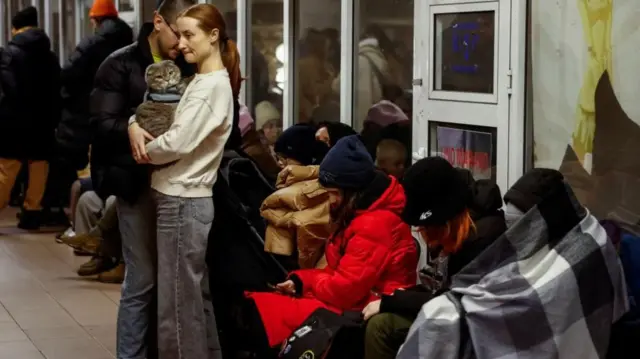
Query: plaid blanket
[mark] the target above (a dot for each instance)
(550, 287)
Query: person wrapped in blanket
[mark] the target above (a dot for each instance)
(455, 215)
(551, 286)
(371, 252)
(297, 213)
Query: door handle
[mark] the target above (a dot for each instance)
(416, 82)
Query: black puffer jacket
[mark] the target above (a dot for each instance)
(74, 134)
(30, 96)
(488, 218)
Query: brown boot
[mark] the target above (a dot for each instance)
(115, 275)
(95, 266)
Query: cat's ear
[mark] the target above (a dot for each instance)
(214, 36)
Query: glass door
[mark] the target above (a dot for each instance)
(463, 85)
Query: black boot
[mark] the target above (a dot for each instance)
(30, 220)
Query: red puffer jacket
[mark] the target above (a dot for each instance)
(374, 255)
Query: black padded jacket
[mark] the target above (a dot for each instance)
(73, 135)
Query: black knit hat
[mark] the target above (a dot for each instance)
(337, 130)
(436, 192)
(530, 189)
(25, 17)
(299, 143)
(348, 165)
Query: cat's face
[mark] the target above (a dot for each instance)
(163, 75)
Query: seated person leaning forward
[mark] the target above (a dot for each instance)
(454, 214)
(550, 287)
(298, 212)
(371, 253)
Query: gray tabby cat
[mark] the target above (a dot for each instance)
(165, 86)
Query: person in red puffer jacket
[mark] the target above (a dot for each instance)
(372, 252)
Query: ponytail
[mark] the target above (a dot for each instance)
(231, 60)
(210, 18)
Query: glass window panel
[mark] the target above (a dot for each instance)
(465, 146)
(87, 27)
(69, 27)
(384, 72)
(317, 61)
(55, 24)
(41, 14)
(228, 8)
(464, 52)
(6, 21)
(125, 5)
(268, 67)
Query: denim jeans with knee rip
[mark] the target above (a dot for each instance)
(186, 325)
(137, 312)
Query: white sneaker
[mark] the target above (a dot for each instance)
(69, 232)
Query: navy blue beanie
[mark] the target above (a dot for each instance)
(348, 165)
(299, 143)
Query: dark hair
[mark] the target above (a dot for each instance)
(25, 18)
(170, 9)
(346, 212)
(210, 18)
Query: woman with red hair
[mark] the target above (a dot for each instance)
(457, 217)
(187, 157)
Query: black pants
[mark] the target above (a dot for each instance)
(254, 333)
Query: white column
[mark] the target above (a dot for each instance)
(243, 12)
(348, 52)
(48, 14)
(289, 104)
(78, 17)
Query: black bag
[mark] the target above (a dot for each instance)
(326, 335)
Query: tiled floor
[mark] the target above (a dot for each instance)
(46, 310)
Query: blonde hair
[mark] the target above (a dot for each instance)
(452, 234)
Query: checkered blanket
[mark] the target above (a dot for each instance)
(550, 287)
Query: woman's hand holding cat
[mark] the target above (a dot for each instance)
(138, 139)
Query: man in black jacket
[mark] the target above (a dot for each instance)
(29, 112)
(118, 89)
(74, 134)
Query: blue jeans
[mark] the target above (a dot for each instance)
(136, 314)
(186, 324)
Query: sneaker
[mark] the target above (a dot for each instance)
(115, 275)
(67, 233)
(83, 242)
(95, 266)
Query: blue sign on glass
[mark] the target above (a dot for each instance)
(464, 40)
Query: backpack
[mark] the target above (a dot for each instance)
(321, 332)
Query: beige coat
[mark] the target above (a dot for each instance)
(298, 216)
